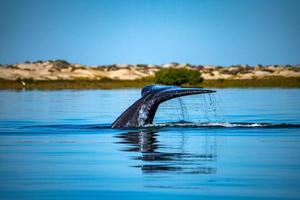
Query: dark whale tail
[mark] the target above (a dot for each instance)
(142, 112)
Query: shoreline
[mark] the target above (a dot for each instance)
(60, 74)
(281, 82)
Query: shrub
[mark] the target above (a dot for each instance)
(177, 76)
(61, 64)
(62, 61)
(38, 62)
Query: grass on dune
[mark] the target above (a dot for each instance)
(74, 84)
(112, 84)
(257, 83)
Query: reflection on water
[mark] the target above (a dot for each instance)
(156, 157)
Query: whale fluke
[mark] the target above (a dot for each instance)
(142, 112)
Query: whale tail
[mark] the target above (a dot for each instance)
(142, 112)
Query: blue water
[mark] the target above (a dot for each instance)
(234, 144)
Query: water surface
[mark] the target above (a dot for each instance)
(58, 145)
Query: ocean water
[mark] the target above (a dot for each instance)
(234, 144)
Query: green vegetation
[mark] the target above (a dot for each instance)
(74, 84)
(111, 84)
(258, 83)
(178, 76)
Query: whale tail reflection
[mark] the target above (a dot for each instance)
(155, 160)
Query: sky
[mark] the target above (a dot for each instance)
(101, 32)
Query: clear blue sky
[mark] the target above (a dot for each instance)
(220, 32)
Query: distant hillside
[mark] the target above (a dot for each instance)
(62, 70)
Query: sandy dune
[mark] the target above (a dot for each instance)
(62, 70)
